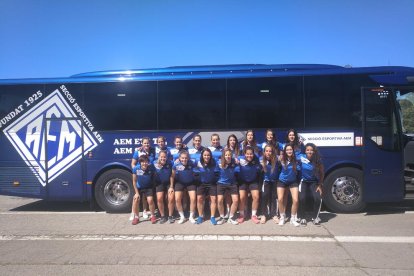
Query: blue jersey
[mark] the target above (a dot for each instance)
(163, 173)
(207, 174)
(144, 178)
(269, 175)
(140, 152)
(287, 174)
(184, 174)
(257, 149)
(175, 153)
(249, 171)
(195, 154)
(227, 175)
(233, 152)
(297, 149)
(308, 173)
(167, 149)
(216, 152)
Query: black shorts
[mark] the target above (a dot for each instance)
(146, 192)
(179, 187)
(249, 186)
(207, 189)
(162, 188)
(232, 188)
(281, 184)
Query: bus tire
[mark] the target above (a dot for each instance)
(114, 191)
(343, 191)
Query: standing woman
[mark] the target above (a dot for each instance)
(162, 145)
(268, 194)
(163, 167)
(207, 171)
(271, 139)
(311, 184)
(250, 172)
(288, 180)
(216, 148)
(178, 146)
(292, 137)
(228, 169)
(250, 140)
(233, 145)
(195, 151)
(182, 180)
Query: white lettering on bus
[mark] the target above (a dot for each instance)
(123, 151)
(123, 142)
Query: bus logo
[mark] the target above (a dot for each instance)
(50, 137)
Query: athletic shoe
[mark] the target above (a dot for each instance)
(171, 219)
(303, 222)
(263, 219)
(255, 219)
(199, 220)
(181, 220)
(135, 221)
(163, 220)
(220, 221)
(192, 220)
(226, 217)
(240, 219)
(145, 214)
(294, 222)
(153, 219)
(213, 221)
(233, 221)
(281, 221)
(316, 221)
(131, 217)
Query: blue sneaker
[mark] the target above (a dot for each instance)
(199, 220)
(213, 221)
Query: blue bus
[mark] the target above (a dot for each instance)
(73, 138)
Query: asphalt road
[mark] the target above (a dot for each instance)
(42, 238)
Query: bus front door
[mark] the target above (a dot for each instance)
(64, 154)
(383, 154)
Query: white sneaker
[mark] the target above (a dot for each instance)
(233, 221)
(192, 220)
(182, 220)
(294, 221)
(220, 221)
(145, 214)
(131, 217)
(281, 221)
(316, 221)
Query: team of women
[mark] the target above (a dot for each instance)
(181, 176)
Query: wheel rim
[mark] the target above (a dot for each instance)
(346, 190)
(116, 191)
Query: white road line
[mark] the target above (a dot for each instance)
(267, 238)
(49, 213)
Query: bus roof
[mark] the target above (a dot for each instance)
(382, 74)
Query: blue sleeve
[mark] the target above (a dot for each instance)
(135, 155)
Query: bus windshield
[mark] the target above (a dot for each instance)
(405, 98)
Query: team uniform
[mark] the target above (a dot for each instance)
(140, 152)
(268, 191)
(287, 176)
(216, 152)
(227, 179)
(195, 154)
(308, 187)
(166, 149)
(207, 178)
(249, 174)
(144, 180)
(162, 176)
(175, 153)
(184, 176)
(233, 152)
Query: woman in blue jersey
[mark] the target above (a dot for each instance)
(250, 172)
(228, 169)
(144, 149)
(311, 184)
(250, 140)
(142, 176)
(268, 192)
(182, 180)
(290, 169)
(162, 145)
(196, 149)
(178, 146)
(163, 168)
(292, 137)
(271, 139)
(233, 145)
(206, 170)
(216, 148)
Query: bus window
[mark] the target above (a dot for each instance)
(405, 99)
(265, 102)
(122, 105)
(192, 104)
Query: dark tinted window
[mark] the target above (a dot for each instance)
(265, 102)
(334, 101)
(121, 106)
(192, 104)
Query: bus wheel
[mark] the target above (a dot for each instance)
(114, 191)
(343, 191)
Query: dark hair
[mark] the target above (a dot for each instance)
(274, 140)
(197, 135)
(211, 162)
(253, 144)
(248, 148)
(146, 138)
(284, 158)
(315, 159)
(236, 147)
(161, 137)
(143, 158)
(273, 159)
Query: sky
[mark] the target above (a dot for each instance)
(49, 38)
